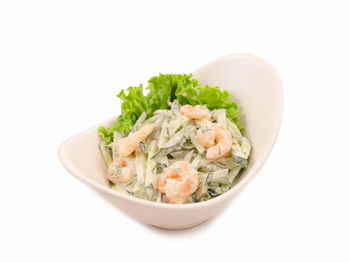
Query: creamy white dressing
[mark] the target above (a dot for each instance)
(173, 139)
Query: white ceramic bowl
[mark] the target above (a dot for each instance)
(256, 87)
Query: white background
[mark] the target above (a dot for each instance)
(61, 64)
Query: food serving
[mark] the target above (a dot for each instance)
(180, 143)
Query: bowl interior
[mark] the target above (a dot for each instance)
(254, 85)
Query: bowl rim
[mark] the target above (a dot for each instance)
(254, 170)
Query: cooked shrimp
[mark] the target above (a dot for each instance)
(197, 112)
(118, 173)
(223, 145)
(166, 200)
(128, 145)
(178, 182)
(206, 138)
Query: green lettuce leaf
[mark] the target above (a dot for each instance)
(212, 97)
(161, 89)
(133, 105)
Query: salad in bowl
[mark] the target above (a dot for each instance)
(180, 143)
